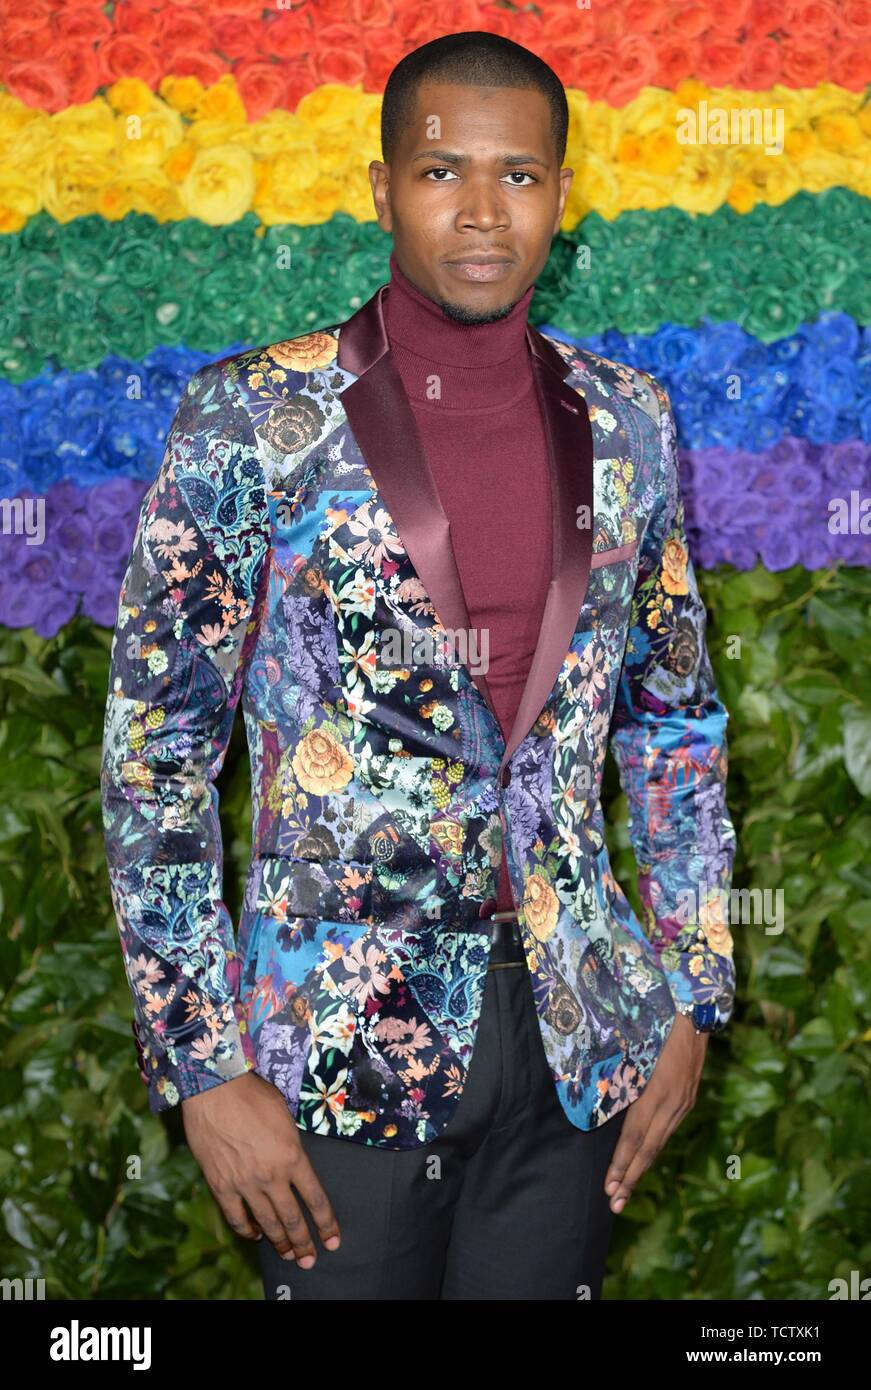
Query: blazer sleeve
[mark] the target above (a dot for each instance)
(668, 735)
(187, 622)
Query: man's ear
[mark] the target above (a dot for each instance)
(565, 178)
(379, 179)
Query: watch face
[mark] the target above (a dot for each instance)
(704, 1017)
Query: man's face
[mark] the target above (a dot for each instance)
(473, 177)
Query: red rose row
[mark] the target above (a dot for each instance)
(55, 53)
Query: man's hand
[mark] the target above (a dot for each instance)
(668, 1096)
(244, 1138)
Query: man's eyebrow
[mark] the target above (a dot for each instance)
(449, 157)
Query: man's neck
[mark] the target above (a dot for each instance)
(446, 362)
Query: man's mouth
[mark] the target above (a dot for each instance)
(479, 266)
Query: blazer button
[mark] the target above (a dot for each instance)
(505, 777)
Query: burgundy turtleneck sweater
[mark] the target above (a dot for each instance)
(484, 442)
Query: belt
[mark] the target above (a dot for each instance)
(505, 940)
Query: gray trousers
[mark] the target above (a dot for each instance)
(507, 1203)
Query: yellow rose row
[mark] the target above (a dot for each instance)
(190, 152)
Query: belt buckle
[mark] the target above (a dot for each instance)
(509, 921)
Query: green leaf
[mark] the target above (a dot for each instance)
(857, 746)
(816, 688)
(815, 1040)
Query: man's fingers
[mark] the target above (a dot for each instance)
(236, 1216)
(646, 1140)
(289, 1212)
(631, 1138)
(292, 1239)
(307, 1184)
(641, 1161)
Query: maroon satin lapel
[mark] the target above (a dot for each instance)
(570, 448)
(385, 429)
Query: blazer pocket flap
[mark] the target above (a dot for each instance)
(612, 556)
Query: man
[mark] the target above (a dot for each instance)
(440, 558)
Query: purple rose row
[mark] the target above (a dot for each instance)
(796, 503)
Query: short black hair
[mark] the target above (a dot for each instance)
(473, 58)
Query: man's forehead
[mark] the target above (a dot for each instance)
(456, 95)
(514, 110)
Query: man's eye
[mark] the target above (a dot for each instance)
(521, 173)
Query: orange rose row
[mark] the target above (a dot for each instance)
(56, 53)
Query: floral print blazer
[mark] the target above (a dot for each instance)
(292, 533)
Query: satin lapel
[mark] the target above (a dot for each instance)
(570, 450)
(384, 427)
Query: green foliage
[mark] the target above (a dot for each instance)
(102, 1199)
(785, 1087)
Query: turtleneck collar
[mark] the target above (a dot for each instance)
(482, 366)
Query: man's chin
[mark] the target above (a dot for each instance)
(467, 314)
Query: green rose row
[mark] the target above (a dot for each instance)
(70, 294)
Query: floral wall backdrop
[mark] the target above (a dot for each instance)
(182, 180)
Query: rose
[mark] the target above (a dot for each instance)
(801, 483)
(676, 57)
(737, 549)
(117, 498)
(337, 57)
(804, 63)
(817, 548)
(113, 538)
(674, 567)
(384, 48)
(309, 353)
(683, 649)
(183, 28)
(848, 465)
(636, 66)
(237, 35)
(318, 843)
(287, 179)
(563, 1011)
(766, 16)
(42, 84)
(780, 549)
(540, 907)
(21, 606)
(129, 55)
(773, 313)
(288, 36)
(290, 427)
(159, 132)
(220, 186)
(321, 764)
(262, 87)
(834, 335)
(88, 246)
(850, 67)
(760, 64)
(676, 348)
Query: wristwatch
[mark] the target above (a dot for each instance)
(705, 1018)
